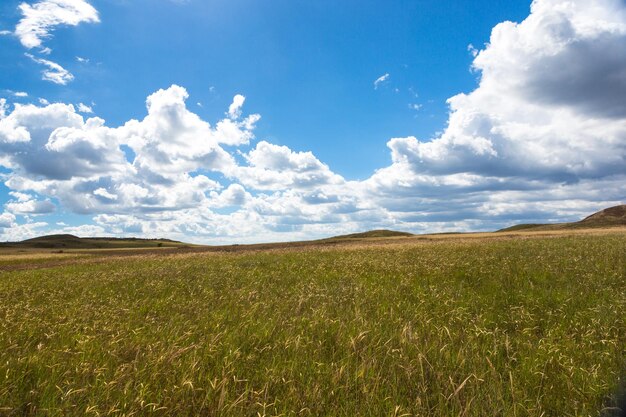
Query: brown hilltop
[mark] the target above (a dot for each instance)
(609, 217)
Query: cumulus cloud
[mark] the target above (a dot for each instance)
(40, 19)
(7, 220)
(31, 207)
(167, 187)
(27, 204)
(542, 117)
(20, 94)
(273, 167)
(54, 72)
(234, 110)
(21, 197)
(537, 140)
(233, 196)
(53, 151)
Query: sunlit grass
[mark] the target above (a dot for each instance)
(455, 327)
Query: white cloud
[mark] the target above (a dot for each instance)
(85, 230)
(5, 33)
(545, 123)
(16, 232)
(55, 152)
(533, 116)
(21, 197)
(273, 167)
(54, 72)
(30, 207)
(7, 220)
(82, 60)
(415, 107)
(102, 192)
(380, 80)
(40, 19)
(83, 108)
(472, 50)
(234, 195)
(234, 111)
(43, 101)
(537, 140)
(20, 94)
(3, 107)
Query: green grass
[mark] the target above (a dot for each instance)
(517, 327)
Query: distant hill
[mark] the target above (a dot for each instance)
(607, 217)
(610, 217)
(75, 242)
(373, 233)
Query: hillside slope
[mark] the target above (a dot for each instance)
(74, 242)
(373, 233)
(609, 217)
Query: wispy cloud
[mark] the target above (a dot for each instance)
(41, 18)
(54, 73)
(415, 106)
(83, 108)
(380, 80)
(472, 50)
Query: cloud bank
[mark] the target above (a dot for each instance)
(541, 138)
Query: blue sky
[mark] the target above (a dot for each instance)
(333, 150)
(307, 67)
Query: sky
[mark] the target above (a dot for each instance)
(243, 121)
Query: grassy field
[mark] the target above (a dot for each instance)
(510, 326)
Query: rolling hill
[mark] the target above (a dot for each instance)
(372, 234)
(67, 241)
(609, 217)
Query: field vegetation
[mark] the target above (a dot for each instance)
(513, 325)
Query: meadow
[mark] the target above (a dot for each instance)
(517, 325)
